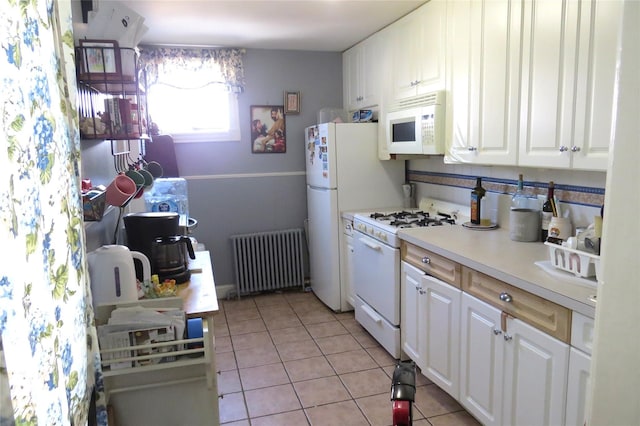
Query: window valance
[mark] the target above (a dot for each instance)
(224, 63)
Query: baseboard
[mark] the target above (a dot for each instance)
(224, 291)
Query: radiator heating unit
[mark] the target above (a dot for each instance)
(268, 260)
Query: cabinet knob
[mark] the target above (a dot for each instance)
(472, 148)
(426, 260)
(575, 148)
(507, 337)
(563, 148)
(506, 297)
(497, 331)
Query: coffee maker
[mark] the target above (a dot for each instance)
(156, 235)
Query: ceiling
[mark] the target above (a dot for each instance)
(319, 25)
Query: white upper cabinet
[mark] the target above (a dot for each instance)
(568, 82)
(531, 82)
(362, 68)
(419, 50)
(484, 76)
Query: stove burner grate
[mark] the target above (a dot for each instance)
(412, 219)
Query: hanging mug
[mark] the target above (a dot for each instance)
(120, 190)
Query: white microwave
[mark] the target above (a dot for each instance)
(416, 125)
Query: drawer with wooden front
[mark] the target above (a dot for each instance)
(431, 263)
(546, 316)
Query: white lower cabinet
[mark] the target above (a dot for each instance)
(430, 326)
(578, 383)
(411, 318)
(535, 376)
(481, 360)
(487, 354)
(582, 332)
(511, 375)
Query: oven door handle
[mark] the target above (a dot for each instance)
(372, 314)
(371, 245)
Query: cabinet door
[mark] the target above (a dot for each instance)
(362, 66)
(442, 343)
(482, 360)
(372, 64)
(578, 384)
(419, 50)
(535, 378)
(484, 81)
(568, 83)
(412, 313)
(596, 80)
(549, 46)
(351, 77)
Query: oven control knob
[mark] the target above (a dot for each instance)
(426, 260)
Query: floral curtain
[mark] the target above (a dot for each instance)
(223, 63)
(49, 361)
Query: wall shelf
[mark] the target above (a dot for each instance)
(111, 92)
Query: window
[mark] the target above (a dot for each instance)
(192, 93)
(206, 113)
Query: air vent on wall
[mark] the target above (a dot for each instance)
(433, 98)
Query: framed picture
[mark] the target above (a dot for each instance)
(100, 58)
(268, 133)
(291, 102)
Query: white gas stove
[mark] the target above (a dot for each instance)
(384, 225)
(376, 263)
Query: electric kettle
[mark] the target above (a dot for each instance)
(113, 275)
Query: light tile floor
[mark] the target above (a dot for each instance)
(286, 359)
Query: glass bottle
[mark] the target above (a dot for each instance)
(547, 212)
(519, 199)
(476, 202)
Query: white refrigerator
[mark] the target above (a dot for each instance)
(343, 174)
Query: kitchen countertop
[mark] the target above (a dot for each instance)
(199, 293)
(493, 253)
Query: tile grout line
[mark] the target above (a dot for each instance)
(291, 382)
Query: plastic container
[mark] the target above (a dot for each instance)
(333, 115)
(580, 263)
(93, 205)
(168, 195)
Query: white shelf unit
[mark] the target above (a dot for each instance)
(136, 394)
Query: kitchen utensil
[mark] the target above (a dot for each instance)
(143, 228)
(120, 190)
(155, 169)
(148, 178)
(409, 195)
(169, 257)
(524, 225)
(112, 273)
(138, 179)
(560, 227)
